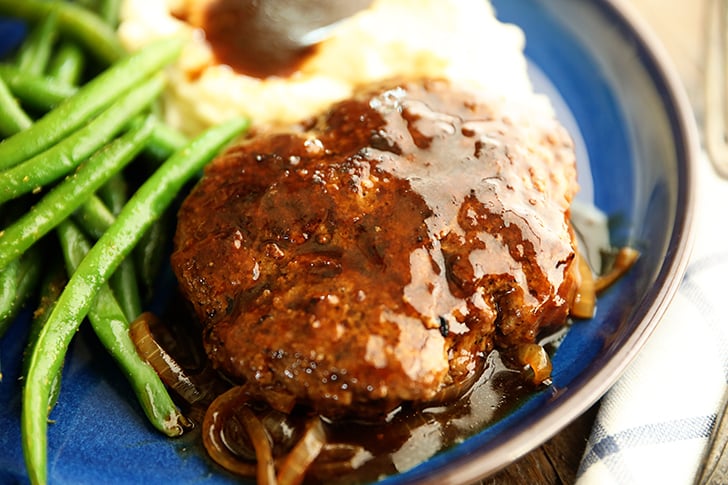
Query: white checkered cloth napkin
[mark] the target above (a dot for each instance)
(653, 426)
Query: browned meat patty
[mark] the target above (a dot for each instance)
(376, 254)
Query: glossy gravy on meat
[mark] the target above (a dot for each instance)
(375, 254)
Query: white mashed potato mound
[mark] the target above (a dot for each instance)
(460, 40)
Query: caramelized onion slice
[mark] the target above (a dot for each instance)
(223, 409)
(168, 369)
(294, 466)
(229, 414)
(537, 361)
(266, 472)
(626, 257)
(337, 459)
(585, 300)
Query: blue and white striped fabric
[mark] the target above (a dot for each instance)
(653, 426)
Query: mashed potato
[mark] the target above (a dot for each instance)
(457, 39)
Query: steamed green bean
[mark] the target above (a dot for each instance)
(53, 281)
(12, 117)
(67, 64)
(145, 206)
(66, 197)
(95, 218)
(57, 161)
(44, 93)
(18, 280)
(75, 21)
(35, 52)
(38, 92)
(88, 101)
(111, 326)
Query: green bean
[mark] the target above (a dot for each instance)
(59, 160)
(74, 21)
(114, 193)
(112, 328)
(165, 141)
(67, 196)
(12, 117)
(109, 11)
(124, 280)
(95, 218)
(150, 253)
(25, 273)
(9, 276)
(93, 97)
(92, 5)
(50, 289)
(33, 263)
(36, 50)
(143, 208)
(67, 64)
(125, 285)
(39, 92)
(44, 93)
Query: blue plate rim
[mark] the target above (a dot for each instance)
(469, 467)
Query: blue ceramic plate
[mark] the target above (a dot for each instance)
(637, 144)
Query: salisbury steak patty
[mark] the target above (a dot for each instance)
(374, 255)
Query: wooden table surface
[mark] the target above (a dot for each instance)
(555, 462)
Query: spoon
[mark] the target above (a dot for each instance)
(264, 38)
(304, 23)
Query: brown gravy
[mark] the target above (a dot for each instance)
(408, 437)
(260, 38)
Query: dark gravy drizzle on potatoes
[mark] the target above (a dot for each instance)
(265, 38)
